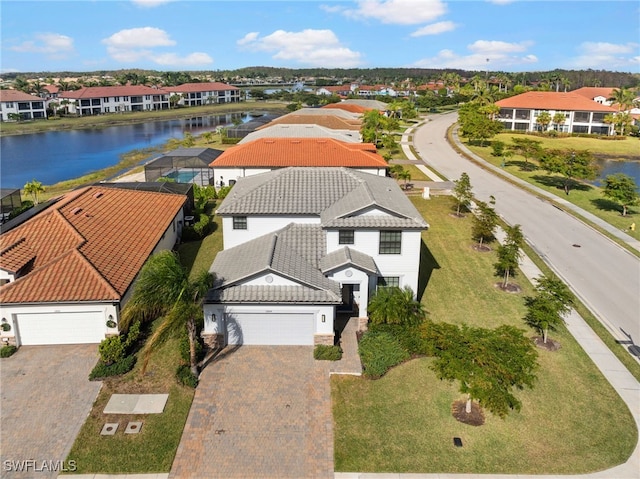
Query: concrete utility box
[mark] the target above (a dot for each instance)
(425, 193)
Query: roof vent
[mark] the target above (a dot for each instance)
(76, 211)
(99, 194)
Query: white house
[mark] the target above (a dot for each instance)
(194, 94)
(300, 245)
(28, 107)
(114, 99)
(66, 272)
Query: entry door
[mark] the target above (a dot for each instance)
(347, 298)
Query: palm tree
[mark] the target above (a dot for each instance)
(164, 289)
(34, 188)
(404, 175)
(559, 119)
(623, 98)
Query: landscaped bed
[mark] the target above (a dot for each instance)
(571, 422)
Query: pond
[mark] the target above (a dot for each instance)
(610, 167)
(54, 156)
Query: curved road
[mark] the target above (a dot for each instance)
(602, 274)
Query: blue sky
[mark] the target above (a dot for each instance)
(174, 35)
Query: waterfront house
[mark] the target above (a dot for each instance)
(114, 99)
(195, 94)
(16, 105)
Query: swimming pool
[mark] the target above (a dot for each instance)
(182, 176)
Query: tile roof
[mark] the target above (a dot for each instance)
(308, 152)
(347, 115)
(111, 91)
(370, 104)
(89, 245)
(348, 257)
(15, 95)
(347, 107)
(334, 194)
(327, 120)
(302, 131)
(196, 87)
(271, 294)
(16, 256)
(547, 100)
(591, 92)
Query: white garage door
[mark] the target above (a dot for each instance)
(270, 328)
(61, 328)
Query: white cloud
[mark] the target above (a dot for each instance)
(54, 45)
(603, 55)
(149, 3)
(492, 55)
(193, 59)
(320, 48)
(138, 44)
(398, 12)
(435, 29)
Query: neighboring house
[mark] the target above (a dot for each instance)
(581, 114)
(303, 131)
(327, 118)
(11, 200)
(266, 154)
(301, 245)
(194, 94)
(183, 165)
(598, 94)
(66, 272)
(244, 129)
(114, 99)
(14, 103)
(341, 90)
(359, 106)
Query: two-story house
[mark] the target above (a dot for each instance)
(114, 99)
(195, 94)
(16, 105)
(300, 245)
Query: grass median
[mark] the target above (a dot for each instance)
(572, 422)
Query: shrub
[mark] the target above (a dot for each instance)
(324, 352)
(102, 370)
(184, 349)
(223, 192)
(201, 228)
(379, 352)
(132, 335)
(409, 337)
(8, 350)
(498, 147)
(111, 350)
(185, 376)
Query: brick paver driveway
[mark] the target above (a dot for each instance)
(259, 412)
(45, 399)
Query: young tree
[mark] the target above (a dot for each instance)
(488, 363)
(509, 254)
(34, 188)
(393, 305)
(477, 125)
(622, 189)
(485, 221)
(543, 119)
(547, 308)
(572, 165)
(559, 119)
(527, 148)
(406, 176)
(462, 192)
(163, 289)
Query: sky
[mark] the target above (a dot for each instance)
(186, 35)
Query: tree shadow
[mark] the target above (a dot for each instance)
(558, 183)
(427, 264)
(522, 165)
(607, 205)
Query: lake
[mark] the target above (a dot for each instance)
(608, 167)
(55, 156)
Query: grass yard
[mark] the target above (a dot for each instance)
(586, 196)
(571, 422)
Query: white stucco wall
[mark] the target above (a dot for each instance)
(270, 279)
(258, 226)
(354, 276)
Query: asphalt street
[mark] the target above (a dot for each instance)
(601, 273)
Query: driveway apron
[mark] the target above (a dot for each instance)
(46, 397)
(259, 412)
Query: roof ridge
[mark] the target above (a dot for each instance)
(272, 249)
(12, 245)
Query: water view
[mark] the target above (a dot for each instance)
(55, 156)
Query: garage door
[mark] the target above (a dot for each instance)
(270, 328)
(61, 328)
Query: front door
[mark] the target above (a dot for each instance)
(347, 299)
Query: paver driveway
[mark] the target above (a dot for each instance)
(46, 398)
(259, 412)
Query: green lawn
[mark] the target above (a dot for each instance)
(571, 422)
(586, 196)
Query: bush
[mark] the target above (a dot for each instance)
(184, 349)
(323, 352)
(111, 350)
(223, 192)
(498, 147)
(8, 350)
(379, 352)
(409, 337)
(201, 228)
(102, 370)
(185, 376)
(132, 335)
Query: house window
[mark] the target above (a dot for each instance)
(346, 237)
(390, 242)
(388, 282)
(239, 222)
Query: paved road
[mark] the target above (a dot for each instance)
(603, 275)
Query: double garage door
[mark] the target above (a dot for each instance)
(270, 328)
(60, 328)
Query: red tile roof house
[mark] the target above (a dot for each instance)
(266, 154)
(194, 94)
(14, 102)
(582, 115)
(113, 99)
(66, 272)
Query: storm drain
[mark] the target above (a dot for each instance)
(109, 429)
(133, 427)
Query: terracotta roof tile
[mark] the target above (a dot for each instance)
(96, 239)
(15, 95)
(547, 100)
(195, 87)
(328, 121)
(16, 256)
(111, 91)
(348, 107)
(591, 92)
(309, 152)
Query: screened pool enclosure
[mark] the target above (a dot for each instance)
(184, 165)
